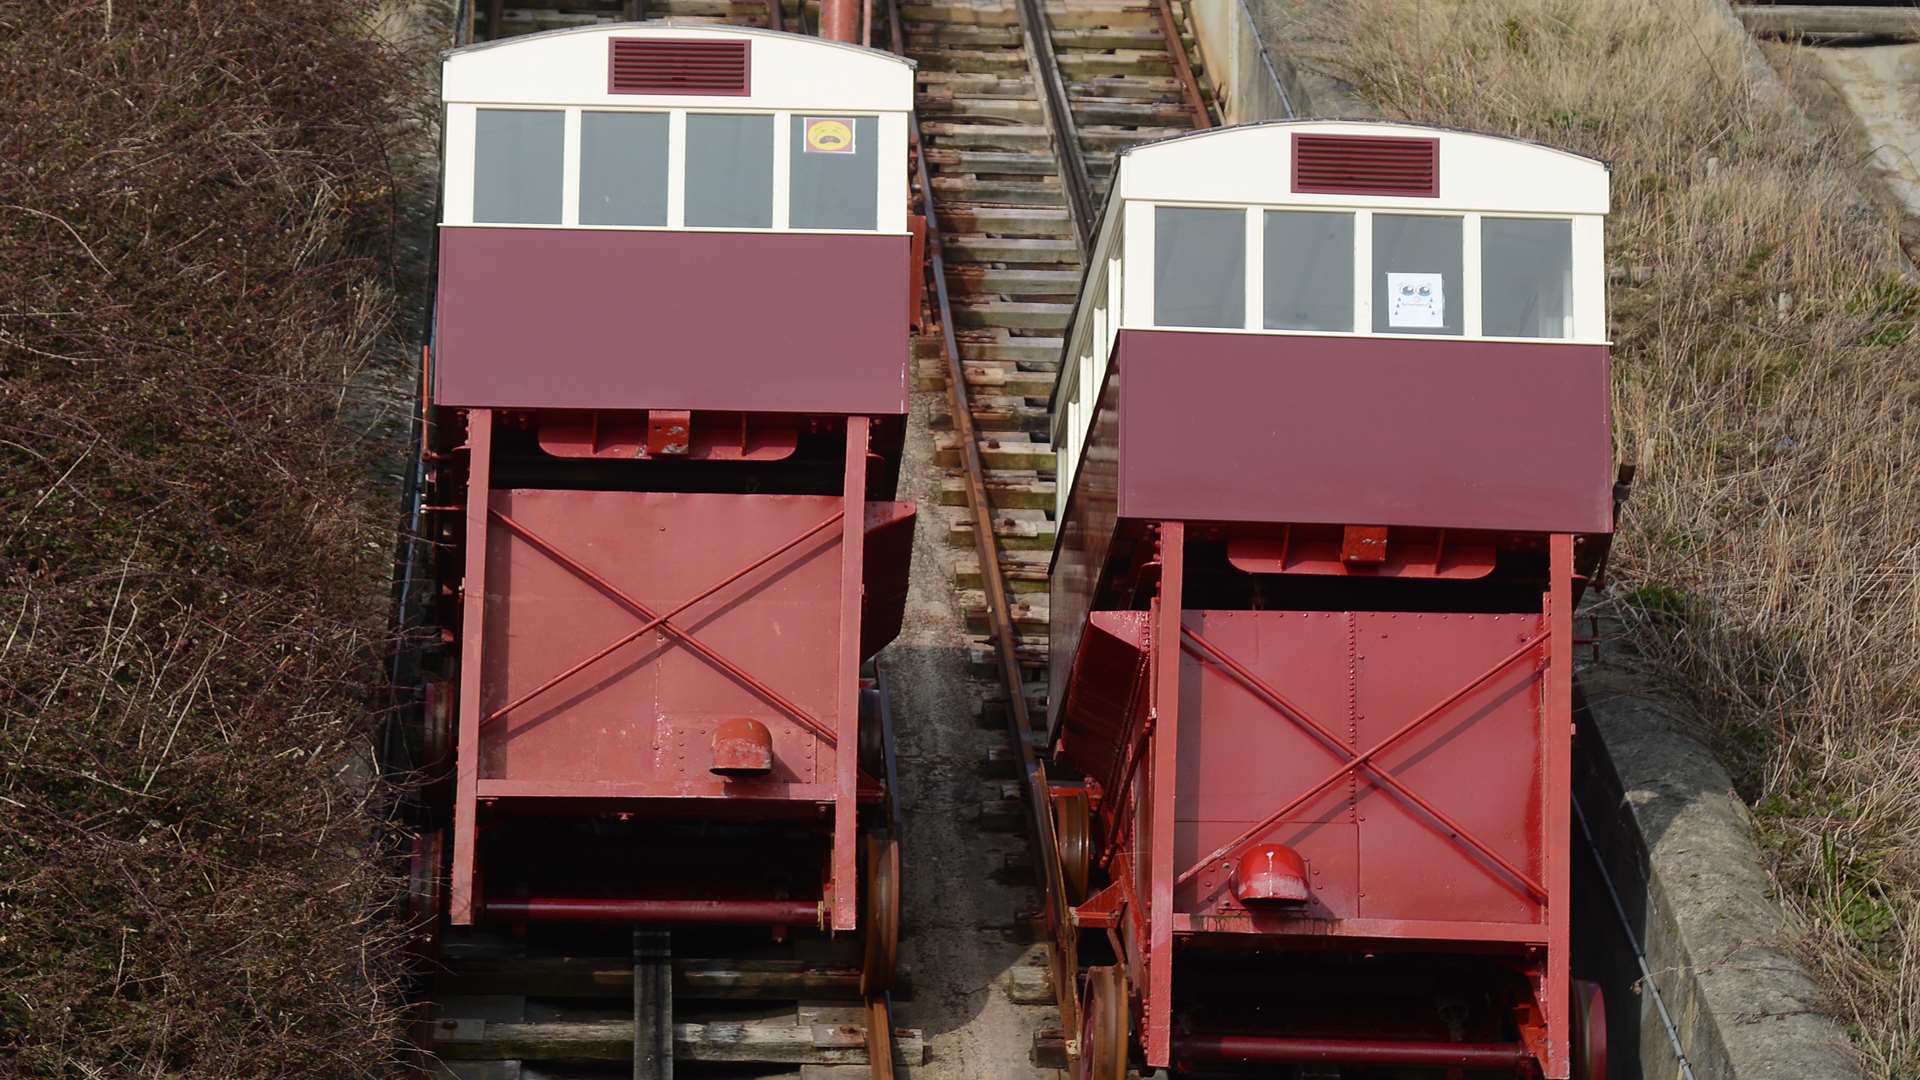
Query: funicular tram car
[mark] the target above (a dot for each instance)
(667, 394)
(1335, 456)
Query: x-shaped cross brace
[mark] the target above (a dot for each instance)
(1207, 651)
(664, 621)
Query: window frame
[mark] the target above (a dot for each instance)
(889, 175)
(1588, 277)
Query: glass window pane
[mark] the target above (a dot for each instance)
(623, 168)
(834, 179)
(1416, 275)
(1308, 278)
(516, 165)
(1199, 267)
(1526, 278)
(730, 171)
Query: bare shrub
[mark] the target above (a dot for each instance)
(1768, 380)
(195, 208)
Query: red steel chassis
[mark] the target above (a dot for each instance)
(1158, 909)
(491, 521)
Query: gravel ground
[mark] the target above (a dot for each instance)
(958, 917)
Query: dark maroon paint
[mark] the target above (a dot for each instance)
(679, 67)
(1379, 431)
(1366, 165)
(617, 319)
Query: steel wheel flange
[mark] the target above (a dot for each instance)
(1104, 1036)
(881, 911)
(1588, 1038)
(1073, 838)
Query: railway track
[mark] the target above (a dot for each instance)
(1021, 107)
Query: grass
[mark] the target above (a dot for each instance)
(1768, 383)
(197, 209)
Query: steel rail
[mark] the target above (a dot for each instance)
(1057, 109)
(1182, 70)
(1062, 955)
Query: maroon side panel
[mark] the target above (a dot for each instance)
(614, 319)
(1376, 431)
(1086, 535)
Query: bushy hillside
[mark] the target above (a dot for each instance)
(1768, 380)
(196, 203)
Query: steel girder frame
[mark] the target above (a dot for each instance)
(1147, 943)
(839, 731)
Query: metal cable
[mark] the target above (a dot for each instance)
(1639, 954)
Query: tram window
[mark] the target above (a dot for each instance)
(1526, 277)
(1199, 267)
(517, 166)
(1308, 275)
(1416, 275)
(834, 177)
(730, 170)
(623, 168)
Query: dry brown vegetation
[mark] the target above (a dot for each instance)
(195, 203)
(1768, 380)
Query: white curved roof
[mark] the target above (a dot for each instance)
(1253, 164)
(569, 67)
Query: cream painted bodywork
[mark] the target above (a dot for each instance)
(566, 70)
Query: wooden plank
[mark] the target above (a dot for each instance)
(1787, 20)
(1016, 281)
(1013, 533)
(1012, 315)
(998, 162)
(1033, 494)
(652, 1005)
(779, 1042)
(607, 977)
(1023, 571)
(1012, 451)
(1028, 612)
(955, 190)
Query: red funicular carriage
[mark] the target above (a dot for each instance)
(668, 388)
(1334, 435)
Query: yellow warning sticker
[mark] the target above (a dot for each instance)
(829, 134)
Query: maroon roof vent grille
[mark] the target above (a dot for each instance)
(679, 67)
(1366, 165)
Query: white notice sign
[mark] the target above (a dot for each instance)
(1418, 301)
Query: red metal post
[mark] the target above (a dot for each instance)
(837, 19)
(590, 909)
(846, 751)
(1275, 1050)
(1166, 740)
(473, 595)
(1558, 715)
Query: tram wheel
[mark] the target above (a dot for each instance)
(1104, 1035)
(1073, 837)
(881, 909)
(1588, 1037)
